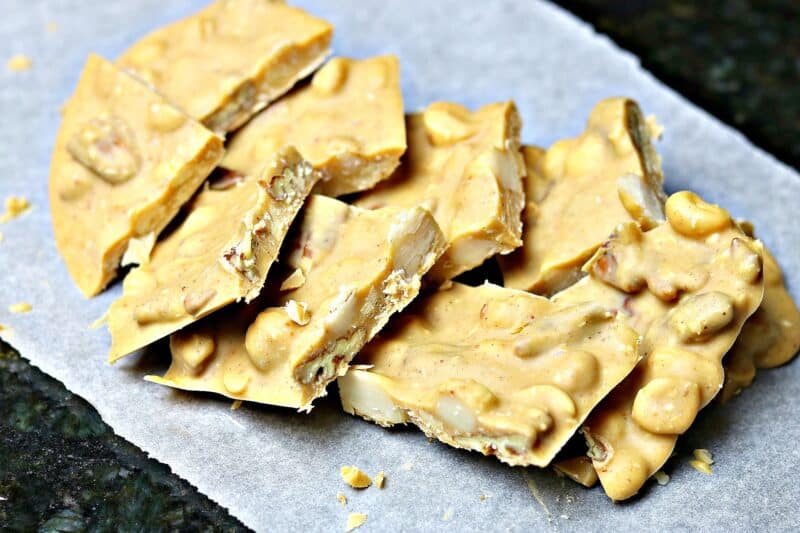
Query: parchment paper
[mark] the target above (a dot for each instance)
(277, 470)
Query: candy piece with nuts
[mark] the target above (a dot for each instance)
(494, 370)
(579, 190)
(465, 168)
(348, 122)
(687, 288)
(219, 254)
(227, 62)
(769, 338)
(360, 267)
(118, 174)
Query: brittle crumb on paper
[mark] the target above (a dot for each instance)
(236, 404)
(355, 520)
(21, 307)
(51, 27)
(700, 466)
(703, 455)
(19, 62)
(15, 206)
(661, 477)
(448, 514)
(355, 477)
(482, 497)
(342, 498)
(380, 477)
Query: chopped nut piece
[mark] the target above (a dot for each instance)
(15, 206)
(139, 249)
(113, 177)
(579, 190)
(19, 62)
(21, 307)
(51, 27)
(219, 254)
(578, 469)
(688, 296)
(379, 479)
(298, 312)
(348, 123)
(360, 266)
(236, 405)
(471, 184)
(769, 338)
(355, 520)
(461, 379)
(295, 280)
(701, 454)
(702, 467)
(342, 498)
(661, 477)
(448, 514)
(355, 477)
(227, 62)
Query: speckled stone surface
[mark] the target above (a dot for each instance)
(737, 59)
(63, 469)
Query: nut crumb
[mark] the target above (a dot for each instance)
(236, 404)
(482, 497)
(51, 27)
(700, 466)
(15, 206)
(703, 455)
(355, 520)
(355, 477)
(19, 62)
(380, 477)
(342, 498)
(21, 307)
(408, 465)
(295, 280)
(448, 514)
(661, 477)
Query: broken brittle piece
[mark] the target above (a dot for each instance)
(227, 62)
(360, 267)
(579, 190)
(115, 175)
(687, 287)
(348, 123)
(466, 169)
(769, 338)
(219, 254)
(495, 370)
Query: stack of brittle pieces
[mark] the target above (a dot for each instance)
(211, 155)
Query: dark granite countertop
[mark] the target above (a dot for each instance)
(63, 469)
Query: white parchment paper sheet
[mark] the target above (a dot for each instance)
(277, 470)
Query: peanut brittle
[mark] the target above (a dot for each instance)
(124, 162)
(465, 167)
(579, 190)
(358, 267)
(219, 254)
(227, 62)
(687, 287)
(495, 370)
(348, 123)
(769, 338)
